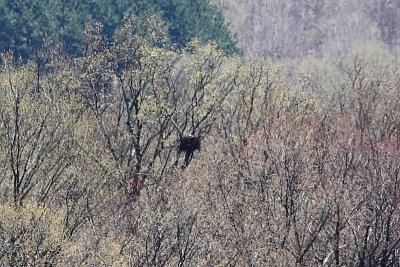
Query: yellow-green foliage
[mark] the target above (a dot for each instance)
(30, 235)
(292, 151)
(89, 251)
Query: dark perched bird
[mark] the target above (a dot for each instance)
(188, 144)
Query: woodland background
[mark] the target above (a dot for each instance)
(296, 104)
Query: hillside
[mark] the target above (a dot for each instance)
(136, 152)
(28, 25)
(298, 28)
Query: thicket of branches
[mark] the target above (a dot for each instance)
(297, 166)
(299, 28)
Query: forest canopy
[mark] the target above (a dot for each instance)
(135, 154)
(300, 28)
(26, 25)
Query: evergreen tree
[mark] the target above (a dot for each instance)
(27, 23)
